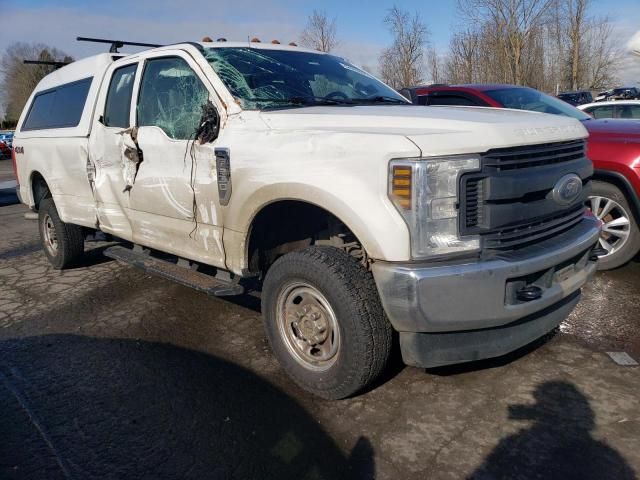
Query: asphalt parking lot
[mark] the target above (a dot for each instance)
(106, 372)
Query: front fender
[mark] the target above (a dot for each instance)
(370, 216)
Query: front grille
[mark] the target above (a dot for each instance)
(501, 159)
(473, 199)
(510, 203)
(526, 234)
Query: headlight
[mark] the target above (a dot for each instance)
(425, 192)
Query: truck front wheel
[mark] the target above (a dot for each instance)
(325, 322)
(63, 243)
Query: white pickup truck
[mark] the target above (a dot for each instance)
(235, 166)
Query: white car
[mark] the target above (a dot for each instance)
(628, 109)
(236, 165)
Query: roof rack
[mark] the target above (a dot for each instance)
(116, 44)
(46, 62)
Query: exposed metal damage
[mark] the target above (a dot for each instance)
(131, 156)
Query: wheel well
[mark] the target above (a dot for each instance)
(289, 225)
(39, 189)
(625, 187)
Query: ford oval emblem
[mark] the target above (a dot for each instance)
(567, 189)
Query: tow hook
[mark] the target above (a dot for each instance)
(528, 293)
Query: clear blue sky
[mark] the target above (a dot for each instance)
(360, 26)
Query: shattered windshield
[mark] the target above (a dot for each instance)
(262, 78)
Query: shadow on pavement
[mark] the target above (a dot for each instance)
(558, 445)
(80, 407)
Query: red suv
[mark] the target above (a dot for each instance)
(613, 146)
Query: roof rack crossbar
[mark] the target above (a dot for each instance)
(116, 44)
(46, 62)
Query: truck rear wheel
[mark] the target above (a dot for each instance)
(63, 243)
(620, 236)
(325, 322)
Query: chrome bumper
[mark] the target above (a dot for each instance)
(480, 295)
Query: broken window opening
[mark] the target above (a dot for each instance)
(171, 96)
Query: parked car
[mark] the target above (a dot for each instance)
(629, 109)
(6, 142)
(613, 146)
(603, 96)
(351, 210)
(625, 93)
(576, 98)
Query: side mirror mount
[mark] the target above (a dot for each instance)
(209, 126)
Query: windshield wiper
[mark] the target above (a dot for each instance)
(382, 99)
(305, 101)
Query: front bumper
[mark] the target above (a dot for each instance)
(444, 299)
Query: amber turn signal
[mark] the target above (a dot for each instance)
(401, 185)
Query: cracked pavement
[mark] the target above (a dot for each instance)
(106, 372)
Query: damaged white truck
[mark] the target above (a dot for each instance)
(235, 166)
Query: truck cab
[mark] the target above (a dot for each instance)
(247, 166)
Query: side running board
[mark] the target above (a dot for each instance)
(172, 271)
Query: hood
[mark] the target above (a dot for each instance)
(613, 129)
(435, 130)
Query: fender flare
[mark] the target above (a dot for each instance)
(620, 181)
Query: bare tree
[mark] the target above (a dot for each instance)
(320, 32)
(403, 63)
(517, 21)
(550, 45)
(437, 68)
(18, 79)
(463, 57)
(605, 55)
(576, 12)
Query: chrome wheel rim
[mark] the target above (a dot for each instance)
(616, 223)
(50, 236)
(308, 326)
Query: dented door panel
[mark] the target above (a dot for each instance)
(168, 209)
(174, 202)
(111, 136)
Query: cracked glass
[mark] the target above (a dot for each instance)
(262, 78)
(171, 97)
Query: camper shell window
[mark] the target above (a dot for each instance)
(58, 107)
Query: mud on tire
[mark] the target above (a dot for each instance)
(328, 283)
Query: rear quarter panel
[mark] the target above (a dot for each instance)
(62, 164)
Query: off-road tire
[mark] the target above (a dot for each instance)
(70, 238)
(629, 249)
(365, 332)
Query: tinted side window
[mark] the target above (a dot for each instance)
(603, 112)
(118, 105)
(451, 100)
(60, 107)
(40, 111)
(628, 111)
(171, 95)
